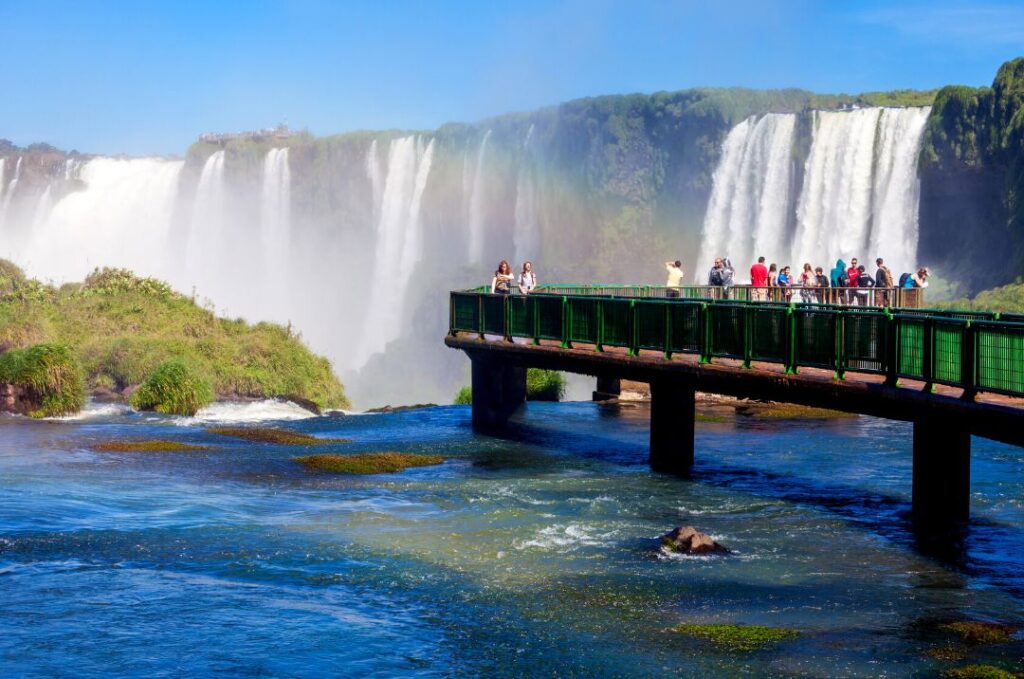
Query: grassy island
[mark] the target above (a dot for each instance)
(282, 437)
(368, 463)
(129, 333)
(151, 446)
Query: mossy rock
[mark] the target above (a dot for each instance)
(739, 638)
(787, 411)
(368, 463)
(980, 633)
(154, 446)
(284, 437)
(49, 377)
(980, 672)
(174, 388)
(947, 653)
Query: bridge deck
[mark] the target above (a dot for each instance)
(990, 415)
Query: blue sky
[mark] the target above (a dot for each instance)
(148, 77)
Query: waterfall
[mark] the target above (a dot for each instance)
(5, 205)
(275, 217)
(748, 210)
(120, 217)
(43, 207)
(373, 171)
(897, 188)
(526, 236)
(206, 229)
(399, 242)
(476, 206)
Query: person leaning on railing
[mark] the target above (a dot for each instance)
(501, 284)
(675, 278)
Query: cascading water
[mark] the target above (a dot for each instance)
(121, 217)
(275, 217)
(526, 236)
(399, 242)
(748, 208)
(859, 196)
(476, 205)
(206, 228)
(5, 204)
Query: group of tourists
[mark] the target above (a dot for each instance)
(504, 280)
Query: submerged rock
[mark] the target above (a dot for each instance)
(688, 540)
(401, 409)
(368, 463)
(286, 437)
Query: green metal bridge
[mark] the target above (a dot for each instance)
(952, 373)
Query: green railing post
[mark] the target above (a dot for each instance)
(536, 318)
(634, 329)
(566, 323)
(668, 331)
(748, 335)
(968, 362)
(892, 357)
(506, 308)
(704, 328)
(840, 344)
(790, 363)
(928, 354)
(480, 315)
(600, 325)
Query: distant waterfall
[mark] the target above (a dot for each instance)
(526, 236)
(5, 205)
(399, 243)
(477, 227)
(275, 217)
(748, 209)
(860, 195)
(121, 217)
(206, 228)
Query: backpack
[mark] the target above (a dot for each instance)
(844, 280)
(904, 277)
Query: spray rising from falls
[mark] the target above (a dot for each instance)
(477, 224)
(526, 236)
(859, 196)
(8, 193)
(399, 241)
(275, 217)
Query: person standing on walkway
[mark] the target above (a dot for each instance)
(864, 284)
(759, 281)
(527, 279)
(883, 282)
(501, 284)
(823, 283)
(807, 283)
(675, 278)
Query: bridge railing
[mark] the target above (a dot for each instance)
(911, 298)
(970, 350)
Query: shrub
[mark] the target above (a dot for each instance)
(464, 397)
(50, 376)
(544, 385)
(174, 388)
(11, 277)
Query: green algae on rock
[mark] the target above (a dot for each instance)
(154, 446)
(741, 638)
(368, 463)
(980, 672)
(284, 437)
(979, 633)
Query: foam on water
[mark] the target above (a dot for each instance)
(248, 411)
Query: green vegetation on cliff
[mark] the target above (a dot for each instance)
(49, 375)
(121, 328)
(1004, 299)
(541, 385)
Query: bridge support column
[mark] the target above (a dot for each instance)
(672, 419)
(942, 473)
(499, 389)
(607, 388)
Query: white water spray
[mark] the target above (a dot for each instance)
(476, 205)
(206, 228)
(526, 236)
(275, 217)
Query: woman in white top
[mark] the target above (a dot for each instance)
(501, 284)
(527, 279)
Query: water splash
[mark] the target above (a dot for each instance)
(275, 215)
(477, 226)
(526, 236)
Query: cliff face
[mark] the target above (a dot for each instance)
(972, 181)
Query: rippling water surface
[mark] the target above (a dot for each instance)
(528, 556)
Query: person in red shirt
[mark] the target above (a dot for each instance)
(853, 276)
(759, 281)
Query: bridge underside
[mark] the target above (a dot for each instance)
(943, 420)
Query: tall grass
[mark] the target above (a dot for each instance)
(174, 388)
(50, 376)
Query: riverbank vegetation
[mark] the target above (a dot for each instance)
(368, 463)
(48, 376)
(1004, 299)
(541, 385)
(122, 328)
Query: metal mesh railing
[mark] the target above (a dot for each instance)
(972, 350)
(909, 298)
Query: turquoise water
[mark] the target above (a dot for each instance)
(531, 556)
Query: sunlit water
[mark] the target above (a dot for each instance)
(530, 556)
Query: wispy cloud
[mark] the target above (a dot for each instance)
(964, 25)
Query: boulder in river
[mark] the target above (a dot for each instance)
(688, 540)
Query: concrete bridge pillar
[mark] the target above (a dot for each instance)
(672, 420)
(942, 473)
(499, 389)
(607, 388)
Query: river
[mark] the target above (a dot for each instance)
(528, 556)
